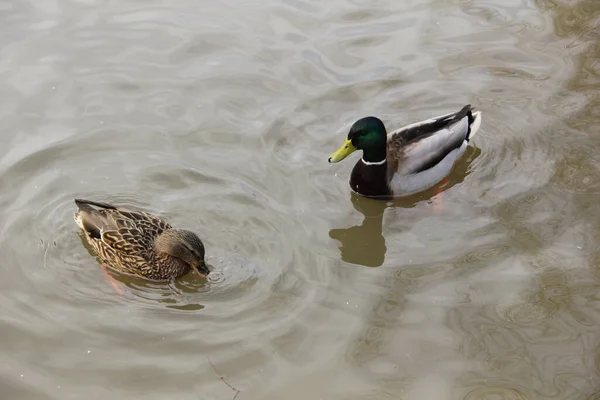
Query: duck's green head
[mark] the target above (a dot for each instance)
(367, 134)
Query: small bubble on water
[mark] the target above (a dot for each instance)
(21, 375)
(53, 87)
(89, 351)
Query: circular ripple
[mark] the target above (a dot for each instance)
(249, 245)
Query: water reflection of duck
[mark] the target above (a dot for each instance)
(364, 244)
(138, 243)
(410, 159)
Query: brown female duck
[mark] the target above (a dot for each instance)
(138, 243)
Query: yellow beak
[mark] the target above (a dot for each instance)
(343, 152)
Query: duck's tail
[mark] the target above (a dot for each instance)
(474, 122)
(90, 219)
(86, 204)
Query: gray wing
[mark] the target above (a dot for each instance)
(430, 147)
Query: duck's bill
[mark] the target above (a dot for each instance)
(201, 269)
(343, 152)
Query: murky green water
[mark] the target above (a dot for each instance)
(220, 116)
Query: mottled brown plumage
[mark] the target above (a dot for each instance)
(138, 243)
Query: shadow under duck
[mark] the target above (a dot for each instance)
(138, 243)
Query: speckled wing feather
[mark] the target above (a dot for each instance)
(122, 234)
(133, 232)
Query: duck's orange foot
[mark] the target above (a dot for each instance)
(113, 282)
(437, 200)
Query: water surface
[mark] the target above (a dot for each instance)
(220, 116)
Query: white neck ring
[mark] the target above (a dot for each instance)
(373, 163)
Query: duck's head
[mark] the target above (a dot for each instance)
(367, 134)
(184, 245)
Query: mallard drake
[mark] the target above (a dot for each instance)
(410, 159)
(138, 243)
